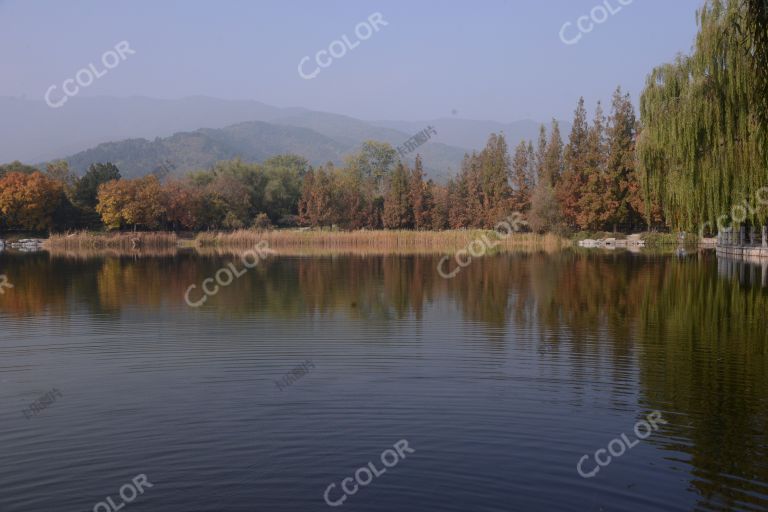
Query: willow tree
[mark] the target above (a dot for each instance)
(702, 148)
(755, 26)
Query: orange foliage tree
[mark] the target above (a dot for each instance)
(28, 201)
(137, 202)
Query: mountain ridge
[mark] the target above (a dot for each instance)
(158, 131)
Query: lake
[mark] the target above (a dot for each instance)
(564, 381)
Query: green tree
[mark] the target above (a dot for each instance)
(375, 160)
(703, 145)
(87, 187)
(284, 175)
(17, 166)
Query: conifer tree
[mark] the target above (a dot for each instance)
(554, 163)
(541, 154)
(420, 197)
(440, 206)
(398, 211)
(532, 172)
(570, 188)
(521, 179)
(621, 176)
(593, 211)
(545, 209)
(495, 169)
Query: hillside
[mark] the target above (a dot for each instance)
(184, 151)
(253, 141)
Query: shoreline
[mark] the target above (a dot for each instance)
(302, 241)
(307, 242)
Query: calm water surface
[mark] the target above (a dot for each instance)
(500, 379)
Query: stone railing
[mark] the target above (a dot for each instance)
(729, 237)
(742, 244)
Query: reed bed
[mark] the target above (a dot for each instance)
(374, 242)
(295, 242)
(122, 242)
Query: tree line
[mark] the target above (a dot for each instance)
(230, 195)
(590, 183)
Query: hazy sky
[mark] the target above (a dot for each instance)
(484, 59)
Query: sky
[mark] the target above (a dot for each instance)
(484, 59)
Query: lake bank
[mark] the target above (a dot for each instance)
(306, 241)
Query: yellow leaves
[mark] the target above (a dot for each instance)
(131, 203)
(28, 201)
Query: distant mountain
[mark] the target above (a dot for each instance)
(142, 134)
(33, 132)
(185, 151)
(254, 141)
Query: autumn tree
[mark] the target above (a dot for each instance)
(440, 206)
(398, 211)
(306, 213)
(520, 178)
(29, 201)
(545, 209)
(541, 154)
(593, 208)
(184, 205)
(469, 197)
(458, 210)
(571, 187)
(315, 208)
(420, 197)
(622, 196)
(495, 169)
(137, 202)
(553, 163)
